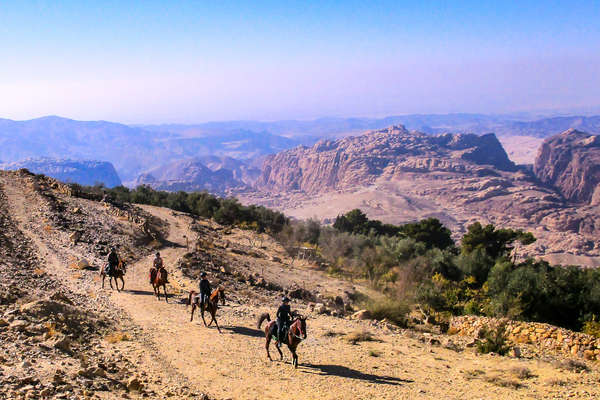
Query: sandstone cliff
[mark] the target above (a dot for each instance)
(571, 163)
(352, 161)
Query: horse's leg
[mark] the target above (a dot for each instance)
(103, 276)
(122, 283)
(268, 335)
(212, 315)
(216, 323)
(117, 284)
(165, 289)
(193, 308)
(202, 314)
(110, 281)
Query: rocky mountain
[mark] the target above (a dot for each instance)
(192, 175)
(399, 176)
(570, 162)
(360, 160)
(77, 171)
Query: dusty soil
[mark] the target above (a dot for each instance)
(176, 358)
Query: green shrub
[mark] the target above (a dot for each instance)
(395, 311)
(592, 328)
(493, 340)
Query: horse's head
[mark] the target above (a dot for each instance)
(222, 295)
(300, 324)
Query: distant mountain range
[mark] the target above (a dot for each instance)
(136, 150)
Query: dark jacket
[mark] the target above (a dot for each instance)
(205, 287)
(284, 313)
(113, 259)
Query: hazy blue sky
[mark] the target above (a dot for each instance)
(150, 61)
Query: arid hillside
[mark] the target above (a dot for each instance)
(65, 337)
(399, 176)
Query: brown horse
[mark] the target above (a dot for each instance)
(117, 273)
(160, 279)
(295, 334)
(211, 306)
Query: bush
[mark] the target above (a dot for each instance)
(493, 340)
(394, 311)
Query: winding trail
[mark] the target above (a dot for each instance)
(233, 365)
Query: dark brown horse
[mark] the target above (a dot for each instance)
(117, 273)
(295, 334)
(211, 306)
(159, 278)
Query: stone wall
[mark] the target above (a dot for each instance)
(544, 336)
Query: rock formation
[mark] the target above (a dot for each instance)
(346, 163)
(77, 171)
(571, 163)
(190, 175)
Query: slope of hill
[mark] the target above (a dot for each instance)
(397, 177)
(571, 163)
(77, 171)
(135, 346)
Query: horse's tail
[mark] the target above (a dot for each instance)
(262, 318)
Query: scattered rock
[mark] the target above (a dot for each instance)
(361, 315)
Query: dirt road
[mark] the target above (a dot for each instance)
(233, 364)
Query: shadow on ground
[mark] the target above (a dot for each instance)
(242, 330)
(345, 372)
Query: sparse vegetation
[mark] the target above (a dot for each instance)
(503, 382)
(117, 337)
(571, 365)
(522, 373)
(360, 336)
(395, 311)
(374, 353)
(493, 340)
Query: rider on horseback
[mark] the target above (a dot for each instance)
(113, 261)
(284, 316)
(205, 290)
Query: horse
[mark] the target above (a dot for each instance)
(157, 280)
(117, 273)
(212, 305)
(296, 333)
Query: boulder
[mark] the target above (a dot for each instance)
(134, 384)
(320, 308)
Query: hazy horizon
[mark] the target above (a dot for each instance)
(155, 63)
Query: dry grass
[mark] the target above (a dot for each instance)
(360, 336)
(47, 228)
(503, 382)
(39, 272)
(522, 373)
(116, 337)
(473, 373)
(332, 333)
(50, 329)
(76, 275)
(571, 365)
(556, 382)
(374, 353)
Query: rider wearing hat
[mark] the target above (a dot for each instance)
(284, 316)
(205, 290)
(113, 261)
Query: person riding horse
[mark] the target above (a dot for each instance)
(157, 265)
(205, 290)
(113, 261)
(284, 316)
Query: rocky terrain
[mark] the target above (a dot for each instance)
(215, 174)
(189, 175)
(77, 171)
(63, 336)
(400, 176)
(570, 162)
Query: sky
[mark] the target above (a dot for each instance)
(195, 61)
